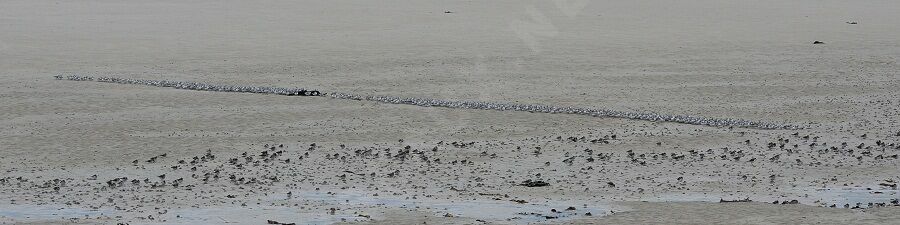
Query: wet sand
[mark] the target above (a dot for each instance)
(87, 152)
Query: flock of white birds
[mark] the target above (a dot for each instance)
(428, 102)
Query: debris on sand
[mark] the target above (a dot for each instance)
(852, 22)
(536, 183)
(818, 42)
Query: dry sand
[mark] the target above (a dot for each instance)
(738, 59)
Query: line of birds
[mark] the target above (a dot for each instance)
(196, 86)
(536, 108)
(428, 102)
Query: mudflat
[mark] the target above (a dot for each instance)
(105, 153)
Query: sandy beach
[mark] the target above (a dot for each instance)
(76, 152)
